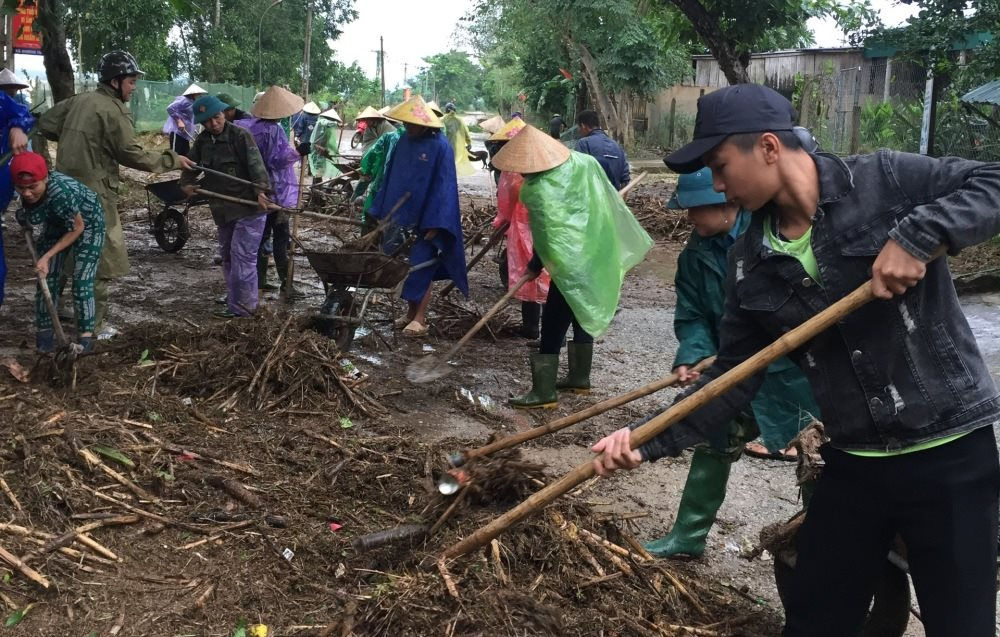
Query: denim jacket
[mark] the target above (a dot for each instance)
(896, 372)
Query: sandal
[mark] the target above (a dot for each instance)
(757, 450)
(414, 329)
(401, 322)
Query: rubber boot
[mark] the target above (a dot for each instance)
(577, 380)
(544, 368)
(704, 492)
(293, 295)
(262, 284)
(531, 315)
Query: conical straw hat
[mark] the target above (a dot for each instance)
(311, 108)
(511, 128)
(434, 107)
(492, 124)
(369, 113)
(415, 111)
(7, 78)
(277, 103)
(194, 89)
(531, 151)
(330, 114)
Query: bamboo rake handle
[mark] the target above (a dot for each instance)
(632, 184)
(756, 363)
(580, 416)
(304, 213)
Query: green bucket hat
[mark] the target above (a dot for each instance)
(207, 107)
(695, 189)
(228, 99)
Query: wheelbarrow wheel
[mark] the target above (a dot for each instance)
(356, 140)
(339, 305)
(889, 613)
(171, 229)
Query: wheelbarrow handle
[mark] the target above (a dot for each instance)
(218, 173)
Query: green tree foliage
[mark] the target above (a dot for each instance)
(450, 77)
(929, 38)
(140, 27)
(733, 29)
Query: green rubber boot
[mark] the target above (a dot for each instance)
(544, 368)
(704, 492)
(578, 379)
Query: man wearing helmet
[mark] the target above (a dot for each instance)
(95, 135)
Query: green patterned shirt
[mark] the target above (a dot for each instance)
(64, 198)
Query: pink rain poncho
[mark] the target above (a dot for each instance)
(519, 246)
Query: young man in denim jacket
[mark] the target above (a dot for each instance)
(906, 397)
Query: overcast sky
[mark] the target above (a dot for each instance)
(415, 30)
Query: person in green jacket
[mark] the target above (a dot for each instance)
(784, 404)
(373, 164)
(95, 135)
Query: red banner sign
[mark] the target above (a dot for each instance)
(26, 40)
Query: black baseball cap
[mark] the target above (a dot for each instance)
(742, 108)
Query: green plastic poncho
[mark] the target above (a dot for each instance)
(585, 236)
(458, 136)
(324, 136)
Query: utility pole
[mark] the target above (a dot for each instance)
(218, 14)
(305, 53)
(381, 57)
(406, 67)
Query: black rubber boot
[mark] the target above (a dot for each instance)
(531, 317)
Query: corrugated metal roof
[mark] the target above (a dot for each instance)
(985, 94)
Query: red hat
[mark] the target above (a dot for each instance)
(28, 168)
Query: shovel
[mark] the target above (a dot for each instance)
(717, 387)
(432, 368)
(67, 351)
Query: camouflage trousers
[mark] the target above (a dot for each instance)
(85, 253)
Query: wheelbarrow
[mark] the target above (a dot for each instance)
(345, 275)
(168, 207)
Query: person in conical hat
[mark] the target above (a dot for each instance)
(511, 211)
(12, 86)
(497, 140)
(304, 122)
(324, 141)
(493, 124)
(372, 170)
(434, 107)
(179, 126)
(460, 140)
(422, 169)
(587, 239)
(376, 125)
(280, 158)
(15, 123)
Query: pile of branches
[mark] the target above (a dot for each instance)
(453, 318)
(661, 223)
(269, 363)
(312, 529)
(477, 219)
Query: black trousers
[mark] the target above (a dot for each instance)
(179, 144)
(282, 238)
(556, 319)
(941, 501)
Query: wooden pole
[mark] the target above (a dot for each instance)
(572, 419)
(715, 388)
(381, 64)
(291, 211)
(290, 272)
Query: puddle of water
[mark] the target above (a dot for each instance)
(479, 401)
(368, 358)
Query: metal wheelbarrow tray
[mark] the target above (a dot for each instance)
(170, 225)
(358, 269)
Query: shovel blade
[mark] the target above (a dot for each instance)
(427, 369)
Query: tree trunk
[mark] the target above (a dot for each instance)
(604, 103)
(58, 68)
(732, 62)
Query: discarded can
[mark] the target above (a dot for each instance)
(452, 481)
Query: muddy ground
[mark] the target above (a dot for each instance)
(178, 291)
